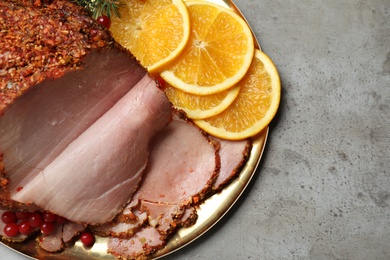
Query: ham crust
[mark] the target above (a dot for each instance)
(43, 39)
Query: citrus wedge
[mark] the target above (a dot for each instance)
(255, 105)
(200, 107)
(155, 31)
(218, 54)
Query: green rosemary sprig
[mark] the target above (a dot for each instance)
(101, 7)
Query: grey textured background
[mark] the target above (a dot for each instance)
(322, 190)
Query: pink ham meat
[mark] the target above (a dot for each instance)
(123, 227)
(62, 234)
(162, 216)
(184, 163)
(70, 230)
(62, 81)
(52, 242)
(38, 126)
(145, 242)
(173, 181)
(106, 160)
(166, 218)
(233, 154)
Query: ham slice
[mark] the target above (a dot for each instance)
(123, 227)
(233, 154)
(164, 217)
(53, 242)
(145, 242)
(179, 176)
(62, 234)
(184, 163)
(70, 230)
(110, 155)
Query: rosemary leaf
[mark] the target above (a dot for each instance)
(101, 7)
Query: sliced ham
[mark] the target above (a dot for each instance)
(189, 217)
(123, 227)
(70, 230)
(53, 242)
(62, 234)
(183, 166)
(164, 217)
(234, 155)
(106, 160)
(145, 242)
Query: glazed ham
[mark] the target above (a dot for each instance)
(70, 134)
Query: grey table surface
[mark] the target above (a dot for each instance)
(322, 189)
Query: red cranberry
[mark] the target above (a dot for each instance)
(25, 228)
(161, 81)
(8, 217)
(104, 20)
(87, 239)
(47, 227)
(11, 229)
(49, 217)
(35, 219)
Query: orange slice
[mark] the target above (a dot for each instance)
(155, 31)
(218, 54)
(200, 107)
(255, 105)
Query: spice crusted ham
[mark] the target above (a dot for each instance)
(31, 138)
(64, 70)
(43, 39)
(79, 120)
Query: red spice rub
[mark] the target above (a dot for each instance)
(45, 41)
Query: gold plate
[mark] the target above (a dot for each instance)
(209, 212)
